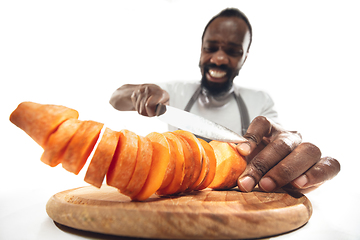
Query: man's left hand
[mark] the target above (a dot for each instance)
(278, 158)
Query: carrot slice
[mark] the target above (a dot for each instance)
(205, 168)
(142, 168)
(80, 146)
(159, 166)
(102, 158)
(170, 170)
(189, 165)
(196, 149)
(40, 121)
(229, 165)
(124, 161)
(58, 141)
(177, 152)
(208, 153)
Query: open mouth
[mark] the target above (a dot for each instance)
(216, 75)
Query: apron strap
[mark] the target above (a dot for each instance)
(244, 114)
(192, 100)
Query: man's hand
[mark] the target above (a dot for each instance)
(277, 158)
(146, 97)
(142, 98)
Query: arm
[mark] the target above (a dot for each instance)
(277, 158)
(142, 98)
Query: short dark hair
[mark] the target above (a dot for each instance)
(231, 12)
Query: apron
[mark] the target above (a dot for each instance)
(244, 115)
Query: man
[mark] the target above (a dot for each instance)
(276, 157)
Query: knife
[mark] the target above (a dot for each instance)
(197, 125)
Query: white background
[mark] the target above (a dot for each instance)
(76, 53)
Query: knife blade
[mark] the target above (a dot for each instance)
(197, 125)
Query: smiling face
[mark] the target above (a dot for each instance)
(223, 52)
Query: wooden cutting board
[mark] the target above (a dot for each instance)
(203, 214)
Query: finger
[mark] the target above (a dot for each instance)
(258, 128)
(138, 101)
(150, 106)
(144, 103)
(273, 153)
(295, 164)
(134, 97)
(324, 170)
(139, 98)
(151, 103)
(159, 96)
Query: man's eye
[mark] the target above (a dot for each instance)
(210, 49)
(235, 52)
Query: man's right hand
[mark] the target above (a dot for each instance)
(142, 98)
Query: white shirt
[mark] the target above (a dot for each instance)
(223, 111)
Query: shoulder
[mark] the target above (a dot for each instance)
(252, 94)
(179, 84)
(258, 102)
(180, 87)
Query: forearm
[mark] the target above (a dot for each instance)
(121, 98)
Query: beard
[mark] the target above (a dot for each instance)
(217, 88)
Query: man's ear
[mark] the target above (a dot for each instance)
(246, 55)
(200, 56)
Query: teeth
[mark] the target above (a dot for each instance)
(217, 74)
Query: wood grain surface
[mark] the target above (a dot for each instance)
(205, 214)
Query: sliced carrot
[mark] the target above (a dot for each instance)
(159, 166)
(208, 153)
(177, 152)
(124, 161)
(229, 165)
(169, 174)
(205, 168)
(81, 146)
(142, 168)
(58, 142)
(40, 121)
(189, 165)
(196, 149)
(102, 158)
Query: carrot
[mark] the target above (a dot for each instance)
(208, 153)
(142, 168)
(166, 163)
(177, 152)
(204, 169)
(170, 170)
(124, 161)
(102, 158)
(189, 165)
(80, 146)
(229, 165)
(40, 121)
(159, 166)
(58, 141)
(196, 149)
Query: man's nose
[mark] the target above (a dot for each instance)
(219, 58)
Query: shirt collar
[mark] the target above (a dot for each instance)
(208, 100)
